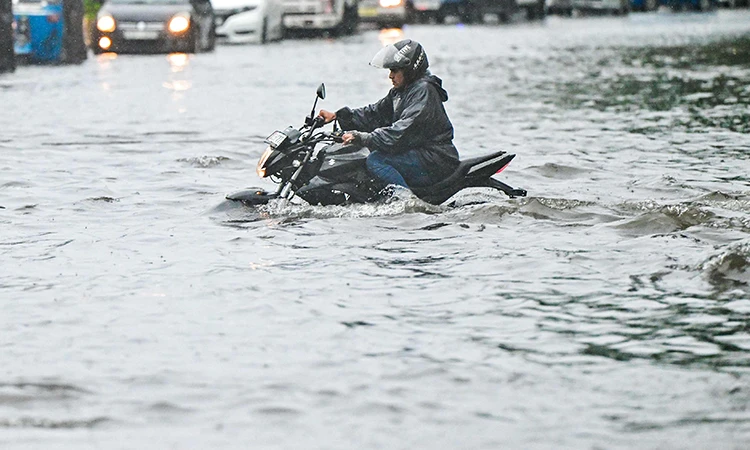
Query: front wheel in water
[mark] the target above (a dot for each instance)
(252, 196)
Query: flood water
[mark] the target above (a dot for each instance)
(608, 309)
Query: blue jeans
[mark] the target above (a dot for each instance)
(403, 169)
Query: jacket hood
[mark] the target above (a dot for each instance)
(426, 78)
(438, 83)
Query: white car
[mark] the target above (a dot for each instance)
(248, 21)
(384, 13)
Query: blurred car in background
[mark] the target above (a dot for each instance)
(734, 3)
(248, 21)
(385, 13)
(535, 9)
(336, 17)
(502, 9)
(691, 5)
(562, 7)
(424, 11)
(616, 7)
(644, 5)
(49, 31)
(475, 11)
(463, 10)
(154, 26)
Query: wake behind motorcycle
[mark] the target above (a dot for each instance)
(317, 167)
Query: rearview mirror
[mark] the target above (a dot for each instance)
(322, 91)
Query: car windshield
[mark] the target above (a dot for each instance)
(150, 2)
(49, 2)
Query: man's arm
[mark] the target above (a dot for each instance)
(367, 118)
(410, 130)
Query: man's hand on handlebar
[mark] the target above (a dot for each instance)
(352, 138)
(327, 116)
(349, 137)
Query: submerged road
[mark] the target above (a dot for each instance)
(608, 309)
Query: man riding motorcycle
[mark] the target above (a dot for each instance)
(407, 131)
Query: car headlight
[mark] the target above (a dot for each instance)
(105, 43)
(389, 3)
(179, 23)
(106, 23)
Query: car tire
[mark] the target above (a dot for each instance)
(7, 54)
(468, 13)
(625, 7)
(194, 41)
(411, 14)
(536, 12)
(351, 19)
(73, 46)
(211, 39)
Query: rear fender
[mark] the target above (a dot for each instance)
(475, 172)
(486, 169)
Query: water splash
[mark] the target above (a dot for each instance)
(731, 268)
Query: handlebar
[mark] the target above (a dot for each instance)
(314, 123)
(327, 135)
(317, 122)
(337, 136)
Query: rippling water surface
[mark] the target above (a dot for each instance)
(608, 309)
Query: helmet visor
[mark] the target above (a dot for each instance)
(389, 58)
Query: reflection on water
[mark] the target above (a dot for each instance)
(104, 58)
(611, 306)
(706, 83)
(178, 61)
(179, 80)
(177, 85)
(390, 35)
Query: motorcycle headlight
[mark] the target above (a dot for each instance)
(106, 24)
(179, 23)
(261, 169)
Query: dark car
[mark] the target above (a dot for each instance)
(154, 26)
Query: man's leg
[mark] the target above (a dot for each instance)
(379, 166)
(396, 169)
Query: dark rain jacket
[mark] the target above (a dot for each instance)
(410, 118)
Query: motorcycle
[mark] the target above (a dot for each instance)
(317, 167)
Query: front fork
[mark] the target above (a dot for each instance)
(285, 190)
